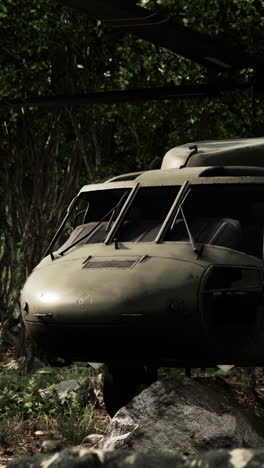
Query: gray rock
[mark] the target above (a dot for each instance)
(65, 388)
(187, 416)
(167, 421)
(52, 446)
(91, 440)
(237, 458)
(132, 459)
(67, 458)
(90, 458)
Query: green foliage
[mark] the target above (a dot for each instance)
(237, 22)
(9, 430)
(55, 51)
(76, 427)
(49, 50)
(34, 397)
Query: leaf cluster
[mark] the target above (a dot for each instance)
(32, 401)
(236, 22)
(35, 394)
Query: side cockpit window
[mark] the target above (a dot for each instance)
(225, 232)
(230, 216)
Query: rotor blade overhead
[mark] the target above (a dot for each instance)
(131, 95)
(125, 15)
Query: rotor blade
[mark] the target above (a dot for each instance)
(131, 95)
(145, 24)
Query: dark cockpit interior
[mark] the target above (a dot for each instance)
(228, 215)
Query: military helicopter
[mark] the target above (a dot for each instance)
(162, 267)
(159, 268)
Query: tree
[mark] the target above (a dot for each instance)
(47, 154)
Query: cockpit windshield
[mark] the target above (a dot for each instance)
(92, 217)
(230, 215)
(147, 213)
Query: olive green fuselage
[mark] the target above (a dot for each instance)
(152, 310)
(165, 267)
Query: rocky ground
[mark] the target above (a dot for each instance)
(90, 458)
(177, 422)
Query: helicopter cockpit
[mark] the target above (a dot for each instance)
(230, 216)
(169, 256)
(91, 217)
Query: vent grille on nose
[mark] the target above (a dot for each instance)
(111, 262)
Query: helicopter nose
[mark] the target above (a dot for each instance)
(120, 307)
(111, 293)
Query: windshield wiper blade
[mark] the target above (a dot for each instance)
(115, 208)
(171, 216)
(196, 250)
(179, 208)
(108, 227)
(55, 237)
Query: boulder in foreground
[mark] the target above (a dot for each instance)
(187, 416)
(90, 458)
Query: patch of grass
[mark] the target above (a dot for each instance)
(32, 401)
(243, 375)
(33, 395)
(10, 430)
(75, 429)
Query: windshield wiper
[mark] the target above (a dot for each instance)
(88, 234)
(108, 227)
(69, 211)
(196, 250)
(173, 215)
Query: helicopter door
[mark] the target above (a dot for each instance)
(232, 302)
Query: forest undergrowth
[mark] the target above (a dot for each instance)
(32, 411)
